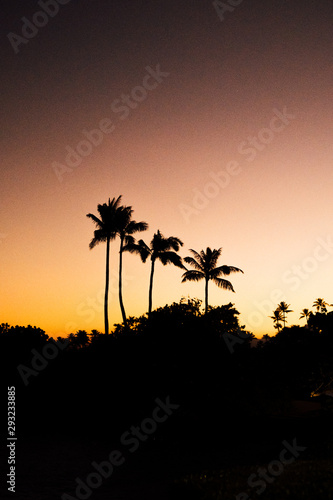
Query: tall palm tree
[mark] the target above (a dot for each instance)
(321, 305)
(283, 307)
(204, 264)
(106, 231)
(126, 228)
(162, 249)
(277, 318)
(305, 313)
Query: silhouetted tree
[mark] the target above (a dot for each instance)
(107, 228)
(94, 335)
(283, 307)
(126, 228)
(191, 306)
(277, 318)
(305, 313)
(322, 323)
(35, 336)
(224, 320)
(4, 327)
(204, 264)
(82, 338)
(60, 339)
(321, 305)
(162, 249)
(72, 340)
(79, 339)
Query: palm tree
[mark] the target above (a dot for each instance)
(283, 307)
(106, 230)
(126, 228)
(305, 313)
(321, 305)
(277, 317)
(4, 327)
(204, 264)
(162, 249)
(82, 338)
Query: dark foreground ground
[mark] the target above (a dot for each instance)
(202, 464)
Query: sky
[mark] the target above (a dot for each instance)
(212, 120)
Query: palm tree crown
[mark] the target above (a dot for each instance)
(305, 313)
(283, 307)
(321, 305)
(204, 264)
(162, 249)
(277, 318)
(107, 223)
(106, 230)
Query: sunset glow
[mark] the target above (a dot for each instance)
(216, 132)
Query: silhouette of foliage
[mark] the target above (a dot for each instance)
(161, 248)
(107, 229)
(204, 264)
(321, 305)
(277, 318)
(284, 308)
(126, 228)
(305, 313)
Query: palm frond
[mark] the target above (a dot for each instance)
(129, 240)
(95, 219)
(95, 241)
(174, 243)
(194, 263)
(134, 227)
(283, 307)
(198, 258)
(225, 270)
(192, 276)
(139, 248)
(160, 244)
(170, 257)
(210, 257)
(225, 284)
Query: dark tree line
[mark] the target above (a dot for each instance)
(102, 383)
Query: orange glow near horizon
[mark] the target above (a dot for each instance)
(231, 149)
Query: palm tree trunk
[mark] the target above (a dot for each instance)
(150, 302)
(120, 283)
(206, 296)
(106, 297)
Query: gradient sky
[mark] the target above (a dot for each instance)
(215, 110)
